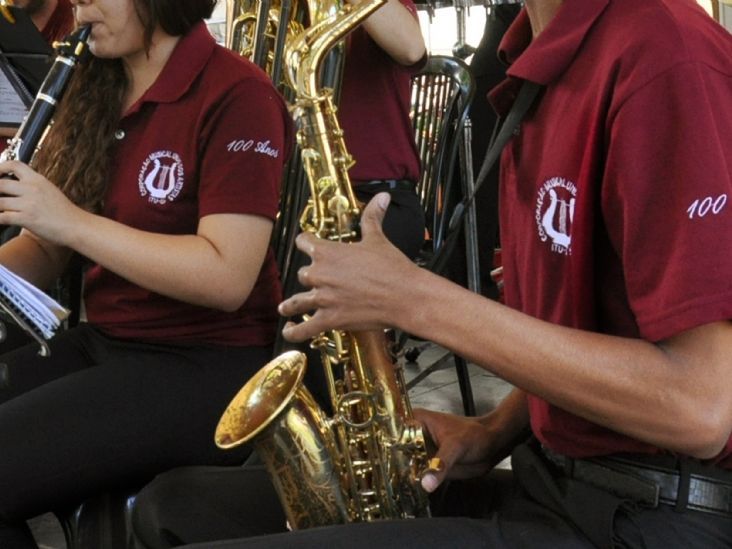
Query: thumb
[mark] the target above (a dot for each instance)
(447, 455)
(373, 215)
(432, 479)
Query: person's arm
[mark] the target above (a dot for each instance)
(470, 446)
(35, 260)
(217, 267)
(674, 394)
(396, 31)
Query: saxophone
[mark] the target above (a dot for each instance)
(365, 462)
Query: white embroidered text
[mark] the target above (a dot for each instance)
(261, 147)
(704, 206)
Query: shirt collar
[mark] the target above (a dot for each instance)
(188, 59)
(545, 59)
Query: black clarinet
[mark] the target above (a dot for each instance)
(29, 135)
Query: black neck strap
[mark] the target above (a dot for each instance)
(524, 100)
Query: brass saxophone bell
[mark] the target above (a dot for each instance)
(6, 13)
(261, 400)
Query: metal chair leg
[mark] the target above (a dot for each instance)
(466, 389)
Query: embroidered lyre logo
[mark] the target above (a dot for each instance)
(554, 216)
(161, 177)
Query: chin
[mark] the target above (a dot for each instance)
(100, 51)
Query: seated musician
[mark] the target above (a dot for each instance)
(162, 169)
(616, 330)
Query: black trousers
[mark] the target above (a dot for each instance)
(404, 221)
(100, 413)
(534, 507)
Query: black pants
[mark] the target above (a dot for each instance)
(538, 508)
(101, 413)
(404, 222)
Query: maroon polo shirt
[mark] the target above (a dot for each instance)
(374, 111)
(210, 136)
(616, 197)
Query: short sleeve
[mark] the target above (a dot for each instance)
(667, 201)
(244, 145)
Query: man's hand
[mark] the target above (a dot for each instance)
(354, 286)
(465, 447)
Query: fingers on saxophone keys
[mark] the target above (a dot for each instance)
(297, 333)
(303, 275)
(297, 304)
(435, 465)
(306, 243)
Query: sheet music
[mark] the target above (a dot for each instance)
(32, 304)
(12, 108)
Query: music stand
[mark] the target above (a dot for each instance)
(24, 61)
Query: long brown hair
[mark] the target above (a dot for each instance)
(77, 151)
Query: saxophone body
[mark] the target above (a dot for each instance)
(365, 462)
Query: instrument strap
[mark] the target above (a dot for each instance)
(524, 100)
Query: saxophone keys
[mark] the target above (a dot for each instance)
(435, 465)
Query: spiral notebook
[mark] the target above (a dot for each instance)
(34, 311)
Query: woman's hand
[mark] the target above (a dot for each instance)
(354, 286)
(31, 201)
(465, 447)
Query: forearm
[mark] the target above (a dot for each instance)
(507, 424)
(186, 267)
(36, 261)
(628, 385)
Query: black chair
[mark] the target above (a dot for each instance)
(441, 96)
(101, 522)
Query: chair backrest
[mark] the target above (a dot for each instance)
(441, 96)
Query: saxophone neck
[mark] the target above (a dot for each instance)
(304, 57)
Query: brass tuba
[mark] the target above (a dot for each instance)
(365, 462)
(260, 29)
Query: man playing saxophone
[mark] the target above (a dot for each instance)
(616, 334)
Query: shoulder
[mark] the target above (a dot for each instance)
(636, 46)
(229, 79)
(228, 66)
(664, 33)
